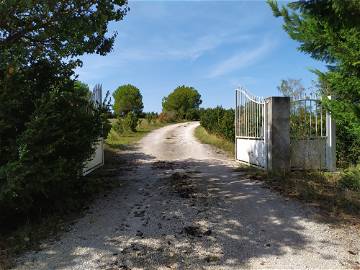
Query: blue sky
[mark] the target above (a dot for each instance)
(212, 46)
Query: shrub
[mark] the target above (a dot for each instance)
(130, 122)
(351, 179)
(151, 117)
(51, 151)
(219, 121)
(193, 115)
(118, 126)
(168, 117)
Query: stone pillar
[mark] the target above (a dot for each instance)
(278, 134)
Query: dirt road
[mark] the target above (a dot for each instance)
(182, 206)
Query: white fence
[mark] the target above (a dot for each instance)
(97, 160)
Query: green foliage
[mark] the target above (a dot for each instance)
(183, 101)
(204, 137)
(219, 121)
(193, 114)
(330, 31)
(151, 117)
(350, 179)
(127, 98)
(168, 117)
(130, 122)
(48, 124)
(50, 153)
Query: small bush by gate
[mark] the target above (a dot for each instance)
(280, 134)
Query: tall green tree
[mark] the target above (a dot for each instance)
(127, 98)
(47, 125)
(330, 32)
(182, 100)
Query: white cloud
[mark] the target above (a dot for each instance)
(178, 49)
(243, 59)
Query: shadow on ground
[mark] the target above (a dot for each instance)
(190, 214)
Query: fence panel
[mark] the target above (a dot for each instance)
(97, 160)
(309, 135)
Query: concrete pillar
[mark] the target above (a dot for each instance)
(278, 134)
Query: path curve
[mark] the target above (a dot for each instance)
(182, 206)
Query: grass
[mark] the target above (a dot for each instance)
(320, 189)
(203, 136)
(124, 140)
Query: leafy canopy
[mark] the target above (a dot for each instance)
(182, 100)
(48, 125)
(56, 29)
(330, 31)
(127, 98)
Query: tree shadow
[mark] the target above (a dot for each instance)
(188, 214)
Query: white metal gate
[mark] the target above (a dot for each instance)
(250, 131)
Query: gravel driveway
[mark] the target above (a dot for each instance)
(182, 206)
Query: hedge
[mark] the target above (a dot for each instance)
(219, 121)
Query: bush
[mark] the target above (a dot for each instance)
(151, 117)
(118, 126)
(130, 122)
(51, 151)
(351, 179)
(168, 117)
(219, 121)
(193, 115)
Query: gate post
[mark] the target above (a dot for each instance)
(330, 142)
(278, 134)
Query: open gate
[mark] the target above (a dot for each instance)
(250, 131)
(280, 134)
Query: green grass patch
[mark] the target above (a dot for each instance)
(124, 139)
(204, 137)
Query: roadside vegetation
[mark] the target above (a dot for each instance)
(207, 138)
(119, 138)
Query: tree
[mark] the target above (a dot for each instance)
(47, 123)
(291, 88)
(330, 31)
(127, 98)
(182, 100)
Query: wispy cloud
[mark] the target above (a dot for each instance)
(243, 59)
(178, 49)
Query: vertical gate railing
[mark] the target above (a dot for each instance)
(312, 135)
(307, 119)
(250, 131)
(249, 115)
